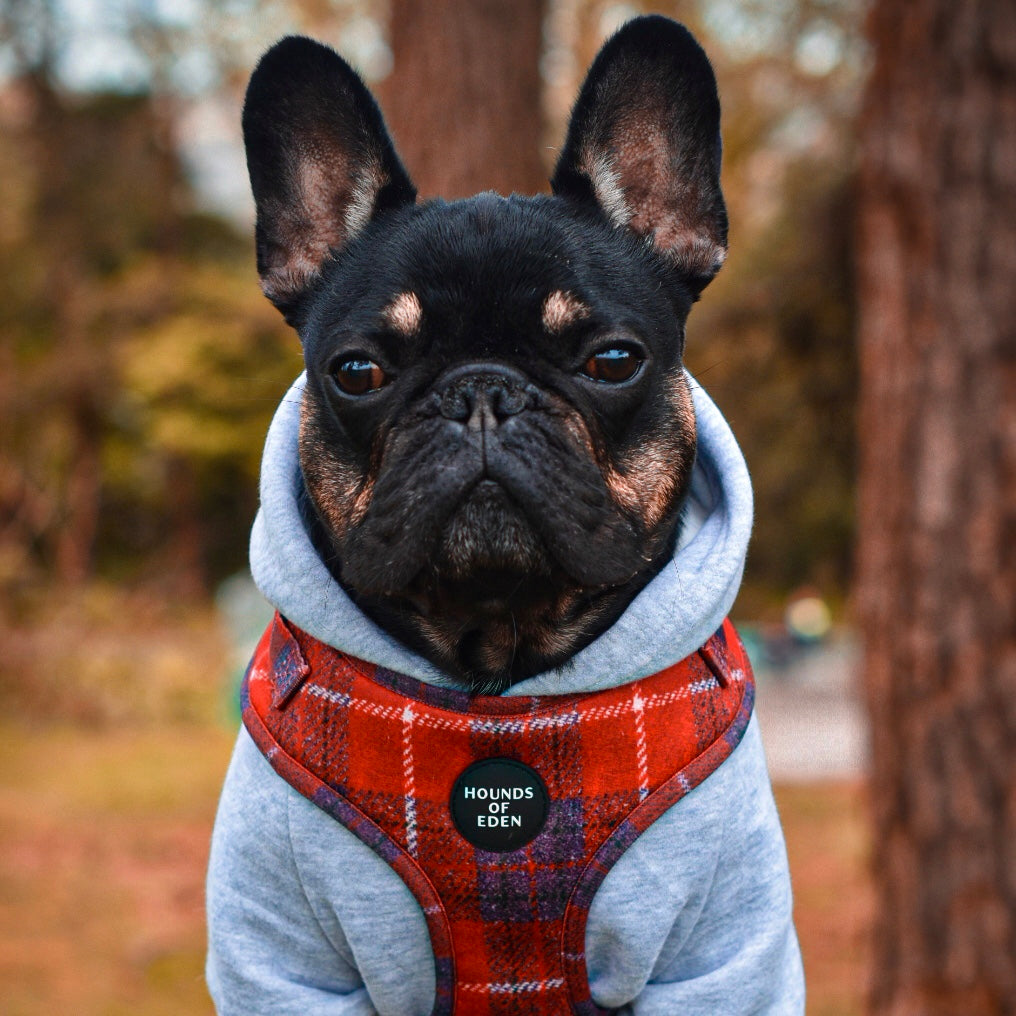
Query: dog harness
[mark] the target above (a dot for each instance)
(502, 814)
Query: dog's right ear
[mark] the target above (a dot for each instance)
(644, 147)
(321, 165)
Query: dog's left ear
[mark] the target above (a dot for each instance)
(321, 164)
(643, 144)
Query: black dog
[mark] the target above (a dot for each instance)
(481, 668)
(497, 433)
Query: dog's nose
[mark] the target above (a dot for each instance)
(483, 395)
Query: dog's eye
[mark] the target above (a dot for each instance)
(613, 365)
(357, 376)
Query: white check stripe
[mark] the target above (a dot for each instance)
(338, 697)
(444, 720)
(638, 705)
(514, 988)
(409, 778)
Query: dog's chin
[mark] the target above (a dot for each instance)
(491, 607)
(491, 627)
(488, 545)
(491, 602)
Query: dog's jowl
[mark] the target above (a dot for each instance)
(498, 752)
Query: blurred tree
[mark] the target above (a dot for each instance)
(85, 173)
(463, 99)
(773, 339)
(774, 345)
(938, 502)
(104, 266)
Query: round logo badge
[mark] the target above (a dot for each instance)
(499, 804)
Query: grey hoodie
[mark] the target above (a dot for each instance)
(694, 919)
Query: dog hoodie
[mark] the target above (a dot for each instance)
(683, 907)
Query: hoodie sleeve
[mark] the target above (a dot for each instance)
(739, 954)
(267, 951)
(696, 917)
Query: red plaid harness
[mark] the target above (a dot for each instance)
(381, 753)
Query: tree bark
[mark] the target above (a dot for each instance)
(75, 371)
(937, 551)
(463, 99)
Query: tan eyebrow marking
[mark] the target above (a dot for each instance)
(561, 309)
(404, 313)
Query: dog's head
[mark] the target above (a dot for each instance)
(497, 434)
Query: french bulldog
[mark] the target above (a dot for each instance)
(502, 530)
(497, 434)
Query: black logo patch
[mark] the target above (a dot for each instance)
(499, 804)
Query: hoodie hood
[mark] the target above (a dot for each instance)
(669, 619)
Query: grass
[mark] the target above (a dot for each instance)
(104, 839)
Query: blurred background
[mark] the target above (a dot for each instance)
(140, 366)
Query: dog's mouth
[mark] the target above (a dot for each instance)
(493, 579)
(488, 542)
(523, 504)
(494, 604)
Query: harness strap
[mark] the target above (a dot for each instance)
(448, 789)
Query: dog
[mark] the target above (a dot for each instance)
(498, 752)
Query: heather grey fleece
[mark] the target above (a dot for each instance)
(694, 919)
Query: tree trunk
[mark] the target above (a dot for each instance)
(937, 581)
(463, 100)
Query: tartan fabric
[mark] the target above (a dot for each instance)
(380, 752)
